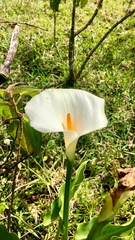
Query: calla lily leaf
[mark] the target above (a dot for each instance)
(71, 111)
(79, 177)
(111, 230)
(83, 229)
(57, 204)
(103, 231)
(54, 213)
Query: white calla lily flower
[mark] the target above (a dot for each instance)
(71, 111)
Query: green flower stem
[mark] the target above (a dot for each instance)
(67, 199)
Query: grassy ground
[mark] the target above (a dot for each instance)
(110, 74)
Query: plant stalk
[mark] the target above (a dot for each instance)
(20, 116)
(71, 77)
(67, 200)
(101, 40)
(99, 6)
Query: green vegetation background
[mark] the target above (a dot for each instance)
(110, 74)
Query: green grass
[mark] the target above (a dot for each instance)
(110, 74)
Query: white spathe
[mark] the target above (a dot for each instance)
(71, 111)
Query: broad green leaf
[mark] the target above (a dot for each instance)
(107, 210)
(96, 229)
(31, 136)
(31, 139)
(8, 113)
(57, 204)
(83, 229)
(4, 103)
(111, 230)
(5, 235)
(54, 4)
(76, 181)
(6, 110)
(54, 213)
(103, 230)
(55, 207)
(25, 90)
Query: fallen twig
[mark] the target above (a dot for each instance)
(5, 67)
(21, 23)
